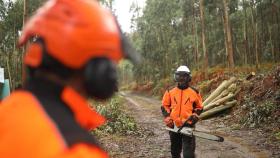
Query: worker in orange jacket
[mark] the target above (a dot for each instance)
(73, 48)
(181, 106)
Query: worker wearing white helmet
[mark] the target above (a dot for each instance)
(181, 106)
(183, 76)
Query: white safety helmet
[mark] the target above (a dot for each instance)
(182, 73)
(183, 68)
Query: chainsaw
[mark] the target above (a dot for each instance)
(193, 132)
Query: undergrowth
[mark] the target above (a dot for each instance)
(259, 114)
(118, 122)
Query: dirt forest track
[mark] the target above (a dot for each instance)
(155, 140)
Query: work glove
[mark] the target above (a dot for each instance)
(193, 119)
(169, 122)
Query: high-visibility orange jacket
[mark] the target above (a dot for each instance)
(181, 104)
(45, 120)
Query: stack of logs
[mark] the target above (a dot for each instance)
(220, 99)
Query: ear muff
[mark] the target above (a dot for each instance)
(100, 78)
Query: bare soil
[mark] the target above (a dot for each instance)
(153, 140)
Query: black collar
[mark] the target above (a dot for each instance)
(48, 94)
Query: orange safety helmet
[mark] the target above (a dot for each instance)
(75, 31)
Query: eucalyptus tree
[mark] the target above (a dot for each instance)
(203, 38)
(11, 23)
(107, 3)
(227, 28)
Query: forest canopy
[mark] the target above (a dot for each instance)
(199, 33)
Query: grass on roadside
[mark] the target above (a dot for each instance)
(118, 122)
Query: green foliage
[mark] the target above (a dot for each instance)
(11, 20)
(156, 38)
(259, 114)
(125, 72)
(11, 24)
(167, 33)
(204, 88)
(117, 120)
(162, 86)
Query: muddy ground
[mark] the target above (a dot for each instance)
(153, 142)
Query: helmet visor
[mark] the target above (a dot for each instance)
(181, 76)
(129, 52)
(127, 49)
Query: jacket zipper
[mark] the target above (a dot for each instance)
(181, 103)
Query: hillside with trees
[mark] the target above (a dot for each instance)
(205, 34)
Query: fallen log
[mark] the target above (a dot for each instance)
(223, 94)
(218, 102)
(232, 88)
(216, 110)
(222, 100)
(219, 90)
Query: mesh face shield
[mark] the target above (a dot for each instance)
(182, 77)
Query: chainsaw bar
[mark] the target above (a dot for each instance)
(190, 132)
(208, 136)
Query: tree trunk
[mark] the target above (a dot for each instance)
(225, 40)
(25, 2)
(245, 35)
(9, 72)
(194, 32)
(228, 34)
(278, 29)
(271, 44)
(205, 53)
(15, 37)
(257, 47)
(254, 28)
(262, 32)
(273, 40)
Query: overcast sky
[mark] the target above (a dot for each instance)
(122, 11)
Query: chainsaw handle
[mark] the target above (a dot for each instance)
(185, 123)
